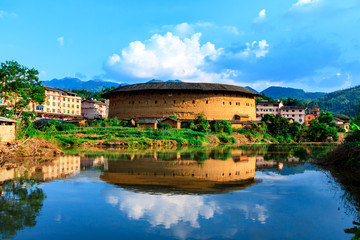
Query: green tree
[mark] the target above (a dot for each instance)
(222, 126)
(19, 87)
(201, 124)
(320, 131)
(357, 118)
(292, 102)
(327, 118)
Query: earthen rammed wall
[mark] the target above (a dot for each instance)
(7, 133)
(184, 104)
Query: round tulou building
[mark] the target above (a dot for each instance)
(184, 100)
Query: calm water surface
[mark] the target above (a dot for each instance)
(251, 192)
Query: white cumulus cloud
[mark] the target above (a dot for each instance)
(305, 2)
(170, 56)
(163, 56)
(261, 16)
(61, 41)
(256, 48)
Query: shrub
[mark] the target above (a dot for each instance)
(354, 136)
(191, 125)
(222, 126)
(164, 126)
(202, 127)
(111, 122)
(340, 129)
(55, 125)
(126, 123)
(173, 117)
(200, 119)
(225, 139)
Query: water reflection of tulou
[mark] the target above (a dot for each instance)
(181, 172)
(62, 167)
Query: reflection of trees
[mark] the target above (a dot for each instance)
(350, 183)
(222, 154)
(21, 203)
(277, 152)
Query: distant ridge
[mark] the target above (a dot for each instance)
(250, 88)
(75, 83)
(286, 92)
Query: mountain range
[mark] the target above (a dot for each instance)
(286, 92)
(75, 83)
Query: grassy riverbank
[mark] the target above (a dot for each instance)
(118, 136)
(111, 133)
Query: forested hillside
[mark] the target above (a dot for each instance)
(341, 102)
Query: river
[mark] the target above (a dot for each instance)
(247, 192)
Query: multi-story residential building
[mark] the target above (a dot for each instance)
(314, 111)
(297, 113)
(59, 104)
(267, 107)
(92, 109)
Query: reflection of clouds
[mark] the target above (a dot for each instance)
(172, 210)
(271, 176)
(166, 210)
(255, 212)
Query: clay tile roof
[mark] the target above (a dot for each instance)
(293, 107)
(59, 90)
(202, 87)
(168, 118)
(4, 119)
(146, 120)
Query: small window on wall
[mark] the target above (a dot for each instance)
(223, 103)
(174, 101)
(139, 102)
(164, 101)
(207, 102)
(155, 101)
(230, 103)
(237, 103)
(147, 101)
(129, 102)
(133, 102)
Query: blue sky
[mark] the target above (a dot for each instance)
(309, 44)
